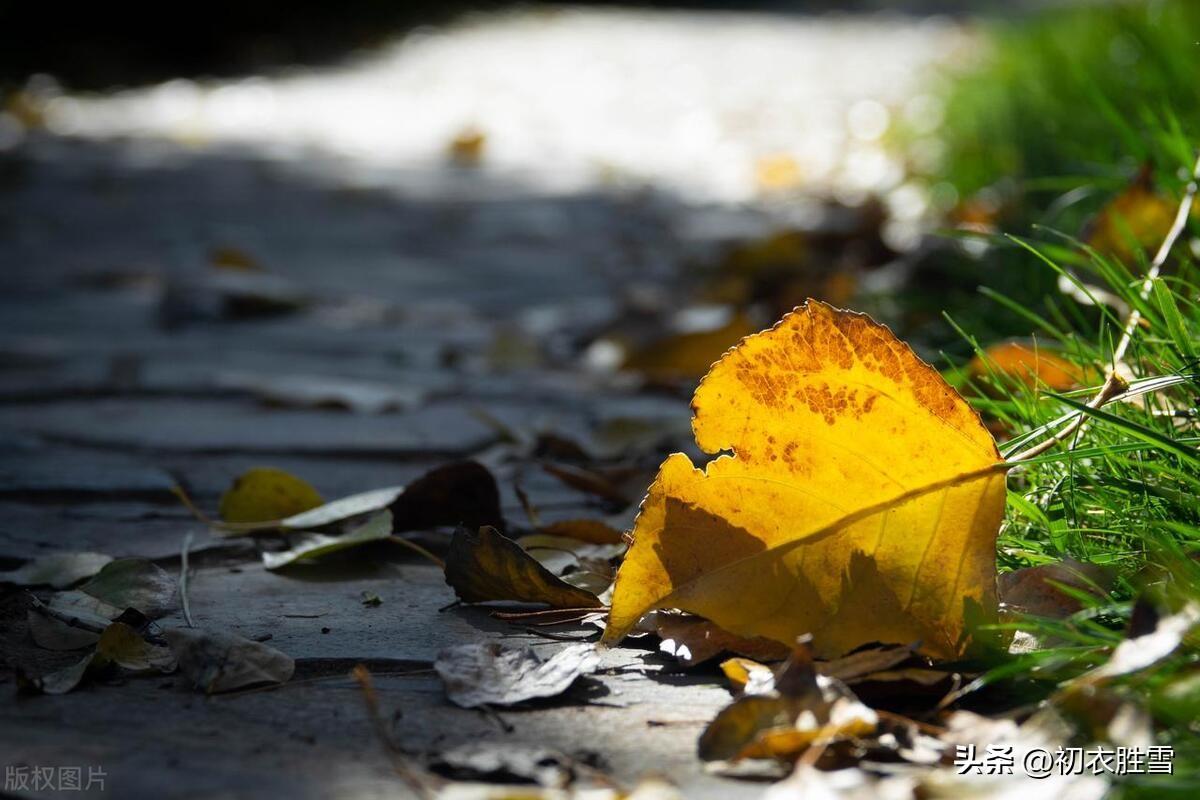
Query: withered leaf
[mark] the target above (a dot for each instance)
(802, 708)
(484, 566)
(861, 503)
(1045, 590)
(53, 631)
(693, 640)
(58, 570)
(63, 680)
(134, 583)
(308, 547)
(458, 493)
(490, 674)
(120, 644)
(335, 511)
(221, 662)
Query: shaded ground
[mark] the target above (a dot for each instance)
(454, 302)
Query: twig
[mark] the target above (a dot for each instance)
(1114, 385)
(414, 776)
(183, 580)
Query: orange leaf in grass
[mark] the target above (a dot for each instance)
(861, 501)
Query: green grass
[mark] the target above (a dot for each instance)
(1044, 124)
(1054, 123)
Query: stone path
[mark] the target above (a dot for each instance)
(445, 304)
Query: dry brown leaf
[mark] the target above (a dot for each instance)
(1036, 590)
(458, 493)
(693, 640)
(487, 566)
(861, 503)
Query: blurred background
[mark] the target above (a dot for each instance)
(620, 190)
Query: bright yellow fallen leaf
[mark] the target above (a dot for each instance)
(861, 502)
(266, 493)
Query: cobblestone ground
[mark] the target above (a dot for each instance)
(408, 312)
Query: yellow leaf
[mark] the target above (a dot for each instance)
(861, 502)
(266, 493)
(782, 720)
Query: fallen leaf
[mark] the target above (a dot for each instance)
(308, 547)
(59, 632)
(1143, 651)
(458, 493)
(82, 610)
(120, 644)
(687, 355)
(263, 494)
(748, 676)
(559, 553)
(221, 662)
(489, 674)
(619, 485)
(335, 511)
(803, 708)
(1039, 590)
(864, 663)
(63, 680)
(861, 503)
(134, 583)
(1136, 219)
(58, 570)
(485, 566)
(1032, 366)
(693, 640)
